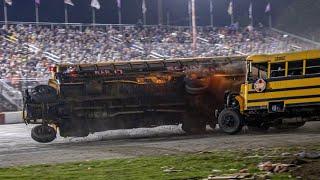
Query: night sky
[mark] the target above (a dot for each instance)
(53, 11)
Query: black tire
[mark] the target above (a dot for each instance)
(195, 87)
(193, 124)
(43, 94)
(230, 121)
(74, 128)
(186, 128)
(199, 129)
(43, 133)
(196, 90)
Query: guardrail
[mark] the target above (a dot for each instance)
(11, 94)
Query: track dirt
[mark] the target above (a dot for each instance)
(17, 148)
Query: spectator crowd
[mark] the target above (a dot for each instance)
(25, 54)
(28, 50)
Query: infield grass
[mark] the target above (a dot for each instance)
(188, 166)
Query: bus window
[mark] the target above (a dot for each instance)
(313, 66)
(295, 68)
(278, 70)
(259, 70)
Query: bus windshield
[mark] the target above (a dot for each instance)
(257, 71)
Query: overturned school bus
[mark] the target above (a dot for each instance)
(280, 90)
(85, 98)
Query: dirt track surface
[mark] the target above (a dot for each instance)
(17, 147)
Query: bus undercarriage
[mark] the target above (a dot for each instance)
(83, 99)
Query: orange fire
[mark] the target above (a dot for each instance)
(156, 79)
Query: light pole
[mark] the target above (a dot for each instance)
(5, 11)
(190, 12)
(119, 12)
(194, 27)
(37, 12)
(66, 18)
(93, 15)
(211, 13)
(144, 12)
(160, 12)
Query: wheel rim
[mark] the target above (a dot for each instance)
(229, 123)
(44, 131)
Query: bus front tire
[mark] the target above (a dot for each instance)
(43, 133)
(230, 121)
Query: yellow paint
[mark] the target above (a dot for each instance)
(286, 85)
(241, 102)
(284, 57)
(296, 83)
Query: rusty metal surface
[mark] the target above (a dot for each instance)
(97, 97)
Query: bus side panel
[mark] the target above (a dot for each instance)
(304, 90)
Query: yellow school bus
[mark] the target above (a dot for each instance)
(281, 91)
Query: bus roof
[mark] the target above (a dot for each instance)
(282, 57)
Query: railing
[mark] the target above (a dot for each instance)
(11, 94)
(297, 37)
(48, 55)
(82, 26)
(33, 48)
(12, 89)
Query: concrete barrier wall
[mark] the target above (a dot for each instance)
(11, 117)
(1, 118)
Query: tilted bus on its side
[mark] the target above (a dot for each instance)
(85, 98)
(281, 91)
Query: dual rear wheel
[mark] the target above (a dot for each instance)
(193, 123)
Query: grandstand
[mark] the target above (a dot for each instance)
(28, 50)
